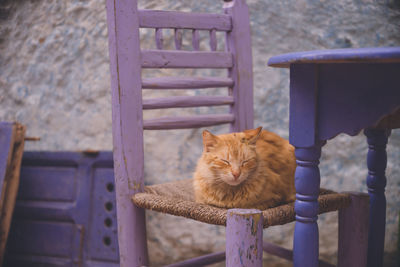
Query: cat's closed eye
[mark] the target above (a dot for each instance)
(247, 161)
(225, 161)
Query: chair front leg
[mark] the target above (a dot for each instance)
(244, 240)
(353, 232)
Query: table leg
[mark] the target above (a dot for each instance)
(376, 182)
(307, 182)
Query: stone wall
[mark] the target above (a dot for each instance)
(54, 77)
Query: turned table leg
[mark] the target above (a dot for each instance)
(376, 182)
(307, 182)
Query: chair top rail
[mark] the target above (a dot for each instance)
(185, 59)
(197, 121)
(186, 101)
(184, 20)
(186, 82)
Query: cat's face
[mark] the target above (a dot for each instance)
(231, 158)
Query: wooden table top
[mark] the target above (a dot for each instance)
(347, 55)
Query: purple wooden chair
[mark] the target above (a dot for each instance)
(244, 227)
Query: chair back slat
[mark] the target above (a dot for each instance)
(178, 39)
(185, 59)
(195, 40)
(159, 38)
(186, 101)
(184, 20)
(213, 40)
(186, 82)
(168, 123)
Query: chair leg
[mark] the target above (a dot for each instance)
(244, 242)
(353, 232)
(132, 239)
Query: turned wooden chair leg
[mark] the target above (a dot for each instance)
(353, 232)
(244, 241)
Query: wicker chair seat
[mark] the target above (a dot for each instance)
(177, 198)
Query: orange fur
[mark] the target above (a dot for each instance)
(250, 169)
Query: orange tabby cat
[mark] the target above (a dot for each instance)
(250, 169)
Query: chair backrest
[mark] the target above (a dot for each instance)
(127, 60)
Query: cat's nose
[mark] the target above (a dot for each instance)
(236, 174)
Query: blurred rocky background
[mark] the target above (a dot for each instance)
(54, 78)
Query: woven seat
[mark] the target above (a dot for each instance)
(177, 198)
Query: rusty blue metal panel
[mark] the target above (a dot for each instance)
(65, 213)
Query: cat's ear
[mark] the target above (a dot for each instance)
(253, 135)
(209, 141)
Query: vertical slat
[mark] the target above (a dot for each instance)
(124, 51)
(353, 232)
(244, 245)
(196, 40)
(178, 39)
(376, 182)
(213, 40)
(239, 44)
(11, 150)
(159, 38)
(6, 144)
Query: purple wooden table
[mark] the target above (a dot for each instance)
(333, 92)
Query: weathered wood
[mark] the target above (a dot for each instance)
(182, 20)
(186, 101)
(213, 40)
(127, 61)
(124, 51)
(238, 42)
(62, 213)
(185, 59)
(195, 40)
(185, 82)
(178, 39)
(353, 232)
(244, 238)
(167, 123)
(200, 261)
(159, 38)
(11, 150)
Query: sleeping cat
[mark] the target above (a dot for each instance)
(250, 169)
